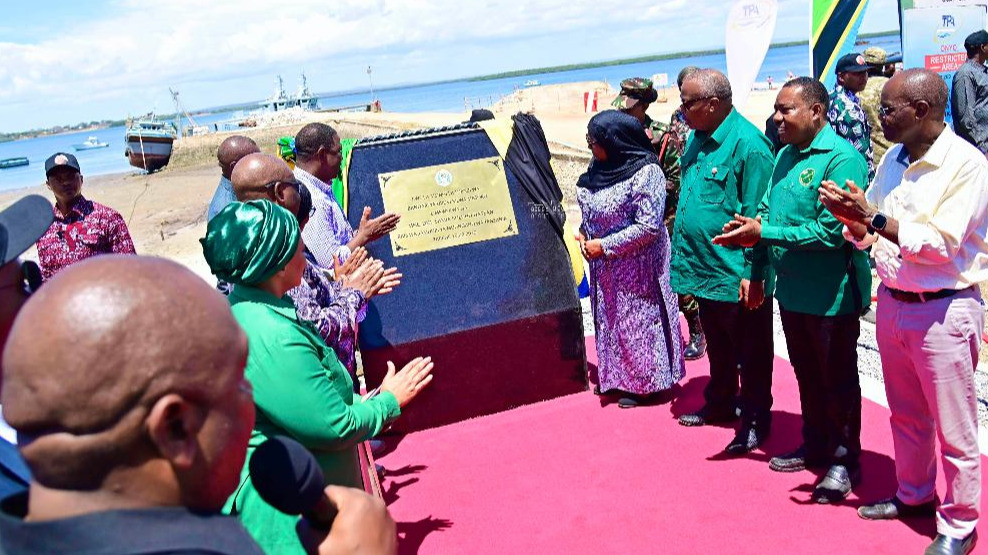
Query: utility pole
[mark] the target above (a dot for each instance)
(371, 79)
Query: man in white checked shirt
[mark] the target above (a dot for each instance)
(926, 218)
(328, 234)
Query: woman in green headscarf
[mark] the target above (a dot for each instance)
(300, 388)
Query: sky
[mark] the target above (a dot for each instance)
(67, 61)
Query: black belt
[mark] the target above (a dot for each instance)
(910, 297)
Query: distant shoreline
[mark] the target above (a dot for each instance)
(510, 74)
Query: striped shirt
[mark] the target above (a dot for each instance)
(328, 232)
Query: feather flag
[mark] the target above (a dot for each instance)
(750, 27)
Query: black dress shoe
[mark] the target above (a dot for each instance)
(707, 415)
(794, 461)
(696, 348)
(747, 439)
(836, 484)
(891, 509)
(628, 402)
(951, 546)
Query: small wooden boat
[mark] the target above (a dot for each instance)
(13, 162)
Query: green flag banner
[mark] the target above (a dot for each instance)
(835, 29)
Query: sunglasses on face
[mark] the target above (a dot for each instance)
(30, 279)
(291, 183)
(689, 104)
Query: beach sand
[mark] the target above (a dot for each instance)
(166, 211)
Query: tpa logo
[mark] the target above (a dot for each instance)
(948, 21)
(751, 10)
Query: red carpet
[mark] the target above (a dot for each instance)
(569, 476)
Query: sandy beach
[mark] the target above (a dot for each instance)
(166, 211)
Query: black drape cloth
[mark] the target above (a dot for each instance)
(528, 159)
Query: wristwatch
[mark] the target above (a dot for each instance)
(878, 222)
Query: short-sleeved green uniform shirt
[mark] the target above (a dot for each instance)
(301, 390)
(724, 173)
(817, 271)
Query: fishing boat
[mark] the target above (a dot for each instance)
(13, 162)
(90, 144)
(149, 143)
(532, 83)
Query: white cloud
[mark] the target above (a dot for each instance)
(137, 49)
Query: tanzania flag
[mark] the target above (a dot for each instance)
(835, 29)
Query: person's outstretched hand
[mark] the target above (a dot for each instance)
(372, 229)
(409, 381)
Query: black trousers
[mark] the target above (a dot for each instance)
(739, 346)
(823, 352)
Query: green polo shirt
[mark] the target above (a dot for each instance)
(817, 271)
(301, 390)
(724, 173)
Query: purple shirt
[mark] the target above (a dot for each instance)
(333, 309)
(328, 232)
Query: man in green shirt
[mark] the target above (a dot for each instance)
(726, 169)
(822, 283)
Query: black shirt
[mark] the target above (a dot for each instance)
(140, 531)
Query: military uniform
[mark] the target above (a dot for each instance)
(871, 99)
(669, 142)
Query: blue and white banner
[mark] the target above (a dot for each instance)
(933, 38)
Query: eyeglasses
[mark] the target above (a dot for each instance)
(886, 111)
(688, 104)
(291, 183)
(30, 279)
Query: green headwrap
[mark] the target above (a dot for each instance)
(248, 242)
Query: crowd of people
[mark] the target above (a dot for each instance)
(790, 216)
(136, 415)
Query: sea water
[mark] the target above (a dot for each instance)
(456, 96)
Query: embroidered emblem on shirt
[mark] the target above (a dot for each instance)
(806, 178)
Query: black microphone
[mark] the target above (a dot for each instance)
(287, 477)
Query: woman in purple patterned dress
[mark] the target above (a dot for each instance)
(636, 314)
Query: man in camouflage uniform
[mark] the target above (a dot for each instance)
(637, 93)
(871, 97)
(845, 114)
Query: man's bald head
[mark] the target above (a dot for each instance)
(232, 149)
(711, 83)
(253, 178)
(920, 85)
(106, 360)
(914, 103)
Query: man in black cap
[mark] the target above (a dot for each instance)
(82, 228)
(969, 94)
(637, 94)
(846, 115)
(21, 225)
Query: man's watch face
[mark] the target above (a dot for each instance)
(878, 221)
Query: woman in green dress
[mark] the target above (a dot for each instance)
(300, 388)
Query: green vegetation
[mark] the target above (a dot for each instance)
(641, 59)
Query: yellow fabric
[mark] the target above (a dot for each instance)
(499, 131)
(573, 248)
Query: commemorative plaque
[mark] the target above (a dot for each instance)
(488, 289)
(448, 205)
